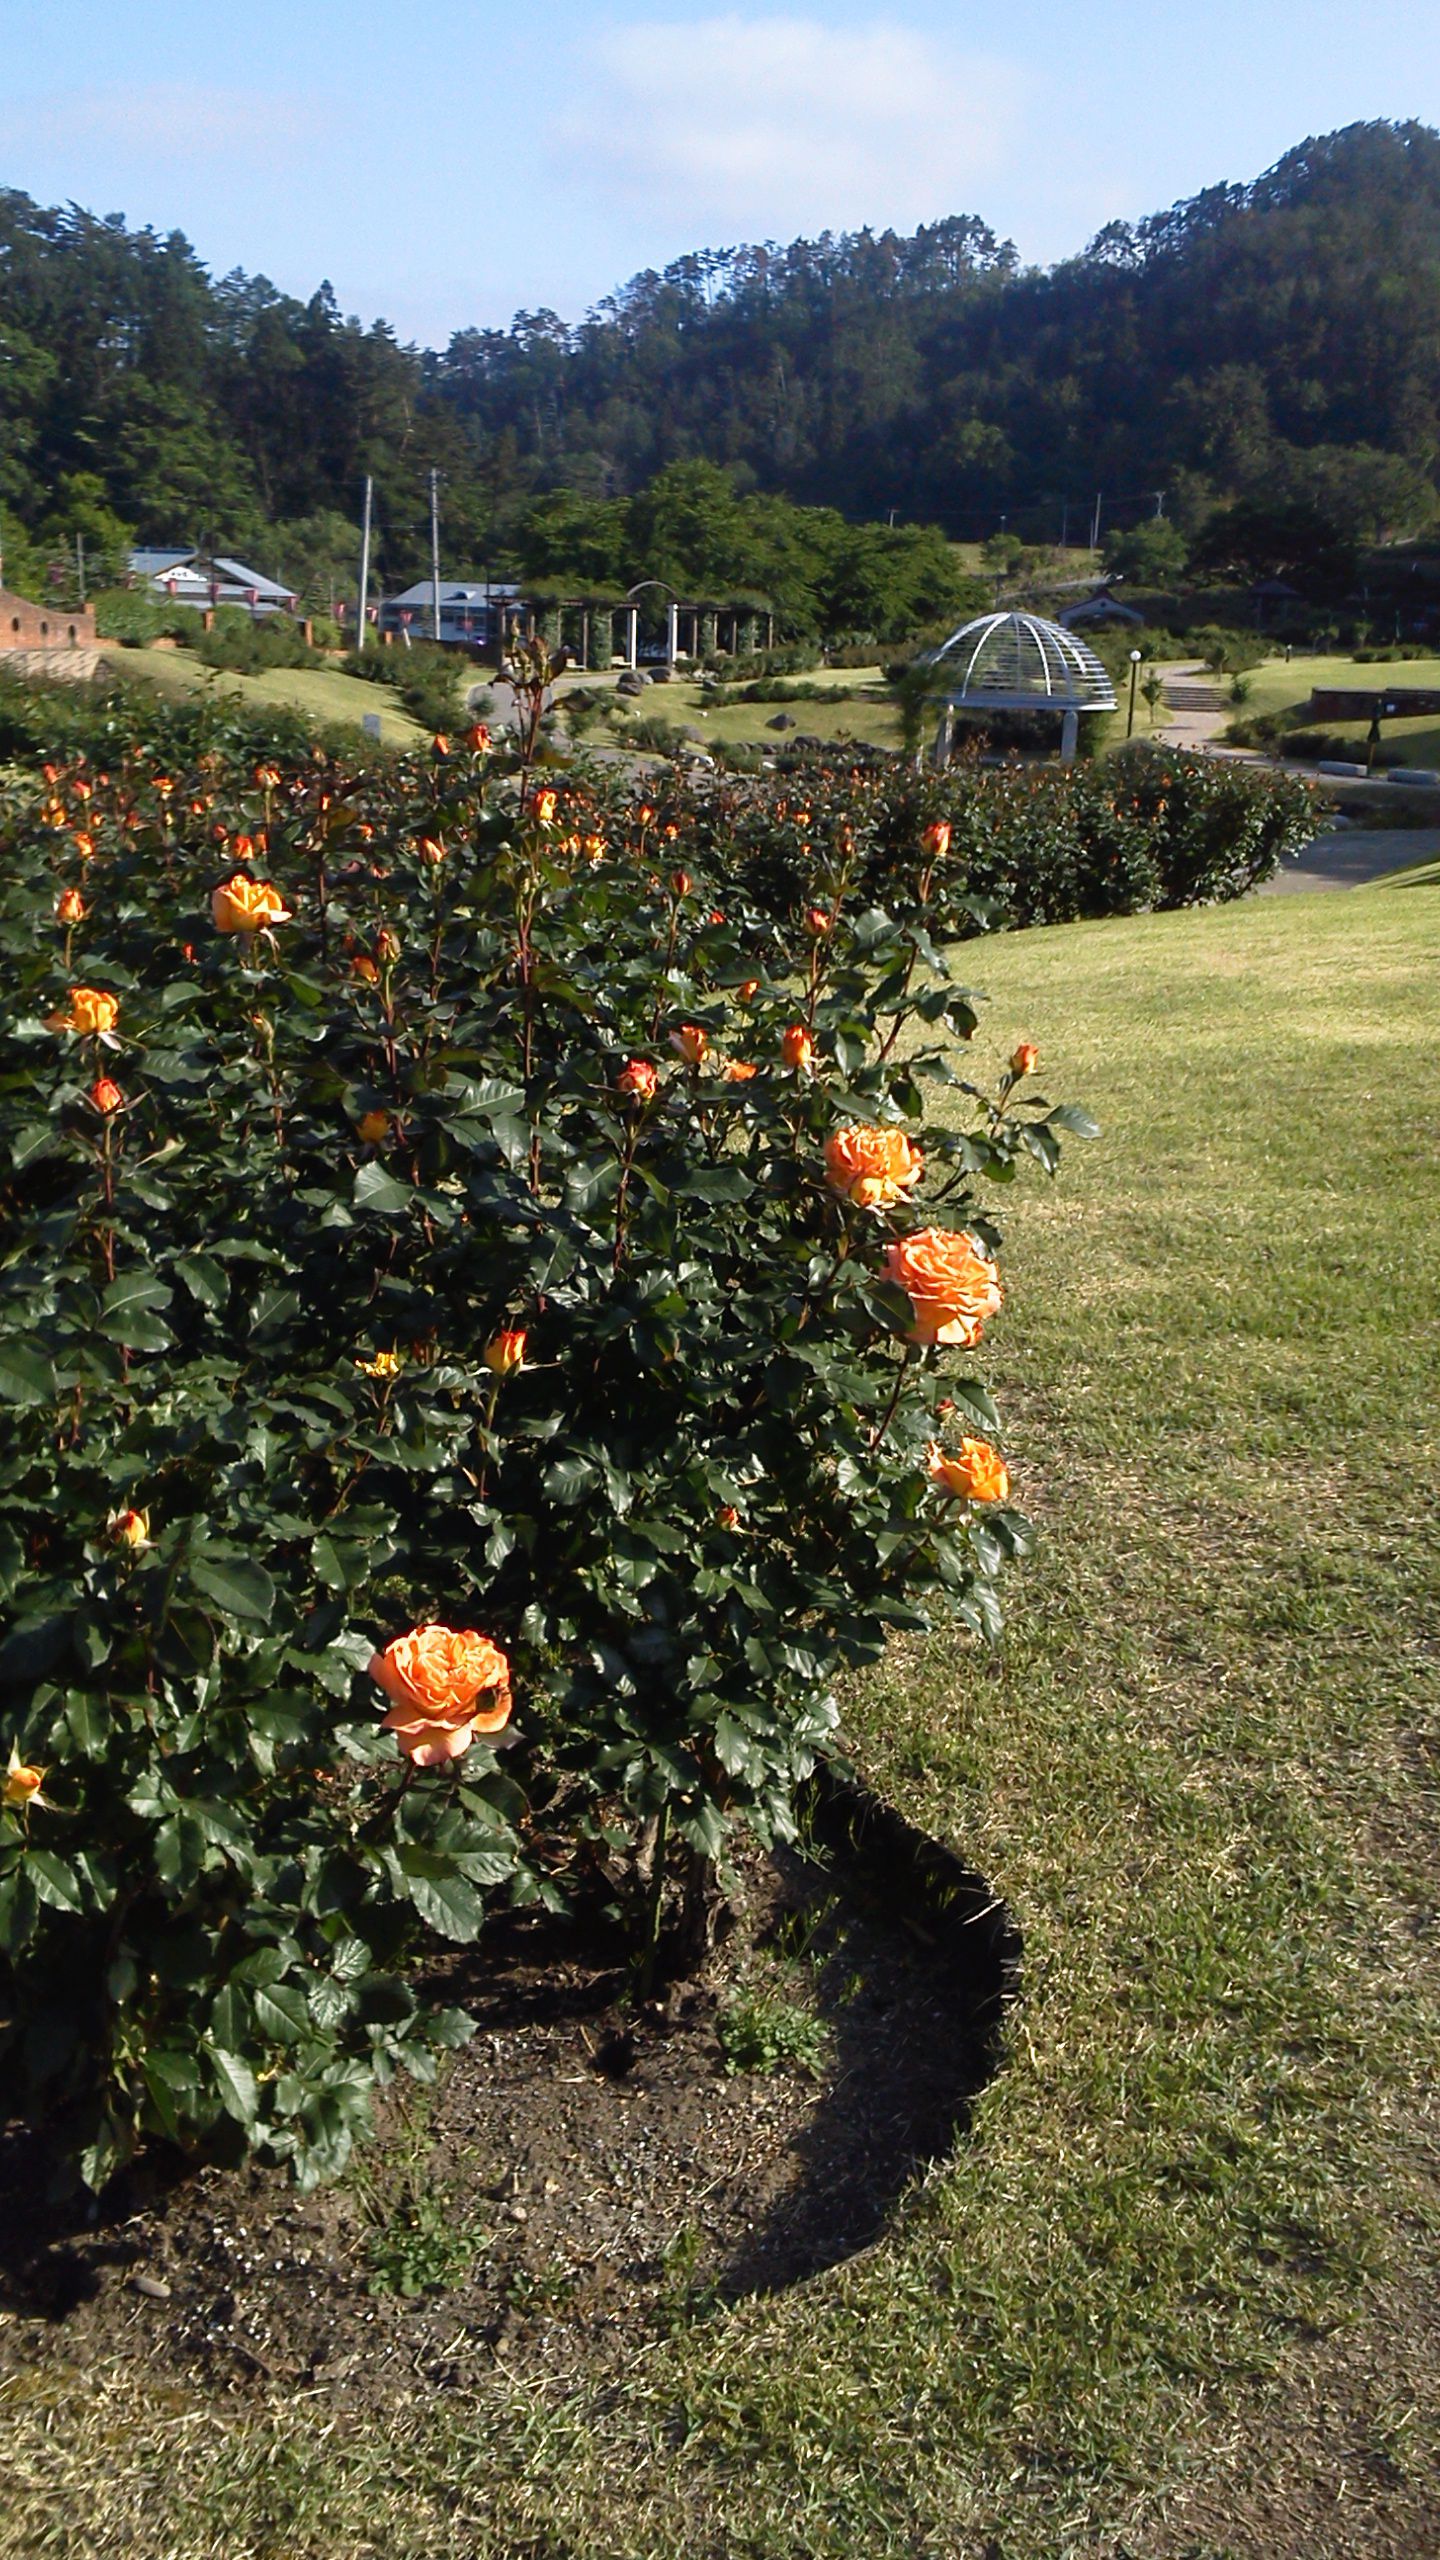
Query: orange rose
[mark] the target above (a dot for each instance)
(645, 814)
(872, 1167)
(691, 1044)
(439, 746)
(638, 1079)
(129, 1529)
(432, 850)
(363, 968)
(976, 1473)
(544, 808)
(681, 883)
(106, 1096)
(70, 906)
(89, 1011)
(1024, 1060)
(951, 1285)
(728, 1516)
(749, 991)
(434, 1677)
(478, 739)
(817, 921)
(506, 1353)
(387, 946)
(20, 1787)
(797, 1048)
(936, 839)
(738, 1071)
(373, 1127)
(247, 906)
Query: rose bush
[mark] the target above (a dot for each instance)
(470, 1378)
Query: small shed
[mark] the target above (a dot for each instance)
(1018, 662)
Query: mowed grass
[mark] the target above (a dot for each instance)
(1193, 2200)
(323, 694)
(1274, 687)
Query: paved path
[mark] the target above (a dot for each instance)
(1351, 857)
(1196, 710)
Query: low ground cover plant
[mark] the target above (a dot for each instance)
(487, 1332)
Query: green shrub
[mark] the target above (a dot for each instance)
(269, 1240)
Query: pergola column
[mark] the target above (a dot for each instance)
(632, 636)
(672, 633)
(1069, 736)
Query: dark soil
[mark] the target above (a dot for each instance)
(589, 2171)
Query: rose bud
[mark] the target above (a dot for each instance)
(439, 746)
(977, 1473)
(817, 921)
(797, 1048)
(373, 1127)
(750, 990)
(691, 1044)
(247, 906)
(936, 839)
(105, 1096)
(478, 739)
(681, 883)
(70, 907)
(638, 1078)
(645, 814)
(506, 1353)
(1025, 1059)
(387, 946)
(21, 1784)
(363, 968)
(545, 804)
(431, 850)
(129, 1529)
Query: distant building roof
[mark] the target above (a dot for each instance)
(236, 574)
(153, 564)
(1101, 607)
(454, 591)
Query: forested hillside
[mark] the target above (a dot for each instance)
(1276, 343)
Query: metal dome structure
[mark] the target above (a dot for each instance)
(1020, 662)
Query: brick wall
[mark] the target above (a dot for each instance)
(24, 625)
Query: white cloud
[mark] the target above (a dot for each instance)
(772, 126)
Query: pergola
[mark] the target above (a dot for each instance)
(1018, 662)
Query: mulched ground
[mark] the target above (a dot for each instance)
(589, 2173)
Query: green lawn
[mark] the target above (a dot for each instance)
(1184, 2255)
(870, 719)
(322, 693)
(1276, 687)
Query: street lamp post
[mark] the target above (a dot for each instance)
(1134, 673)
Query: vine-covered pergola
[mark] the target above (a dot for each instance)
(583, 620)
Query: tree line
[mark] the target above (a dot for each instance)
(756, 417)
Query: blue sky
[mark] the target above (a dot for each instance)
(452, 162)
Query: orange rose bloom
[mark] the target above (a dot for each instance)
(691, 1043)
(247, 906)
(70, 906)
(639, 1078)
(434, 1678)
(797, 1048)
(89, 1011)
(738, 1071)
(681, 883)
(431, 849)
(506, 1352)
(105, 1095)
(872, 1167)
(976, 1473)
(373, 1127)
(440, 746)
(544, 807)
(817, 921)
(1024, 1061)
(477, 739)
(749, 991)
(936, 839)
(951, 1285)
(387, 946)
(20, 1784)
(363, 968)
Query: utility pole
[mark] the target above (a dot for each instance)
(434, 555)
(365, 563)
(80, 566)
(1095, 522)
(1065, 525)
(1160, 504)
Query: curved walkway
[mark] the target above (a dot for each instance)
(1351, 857)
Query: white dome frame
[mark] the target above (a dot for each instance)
(1019, 662)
